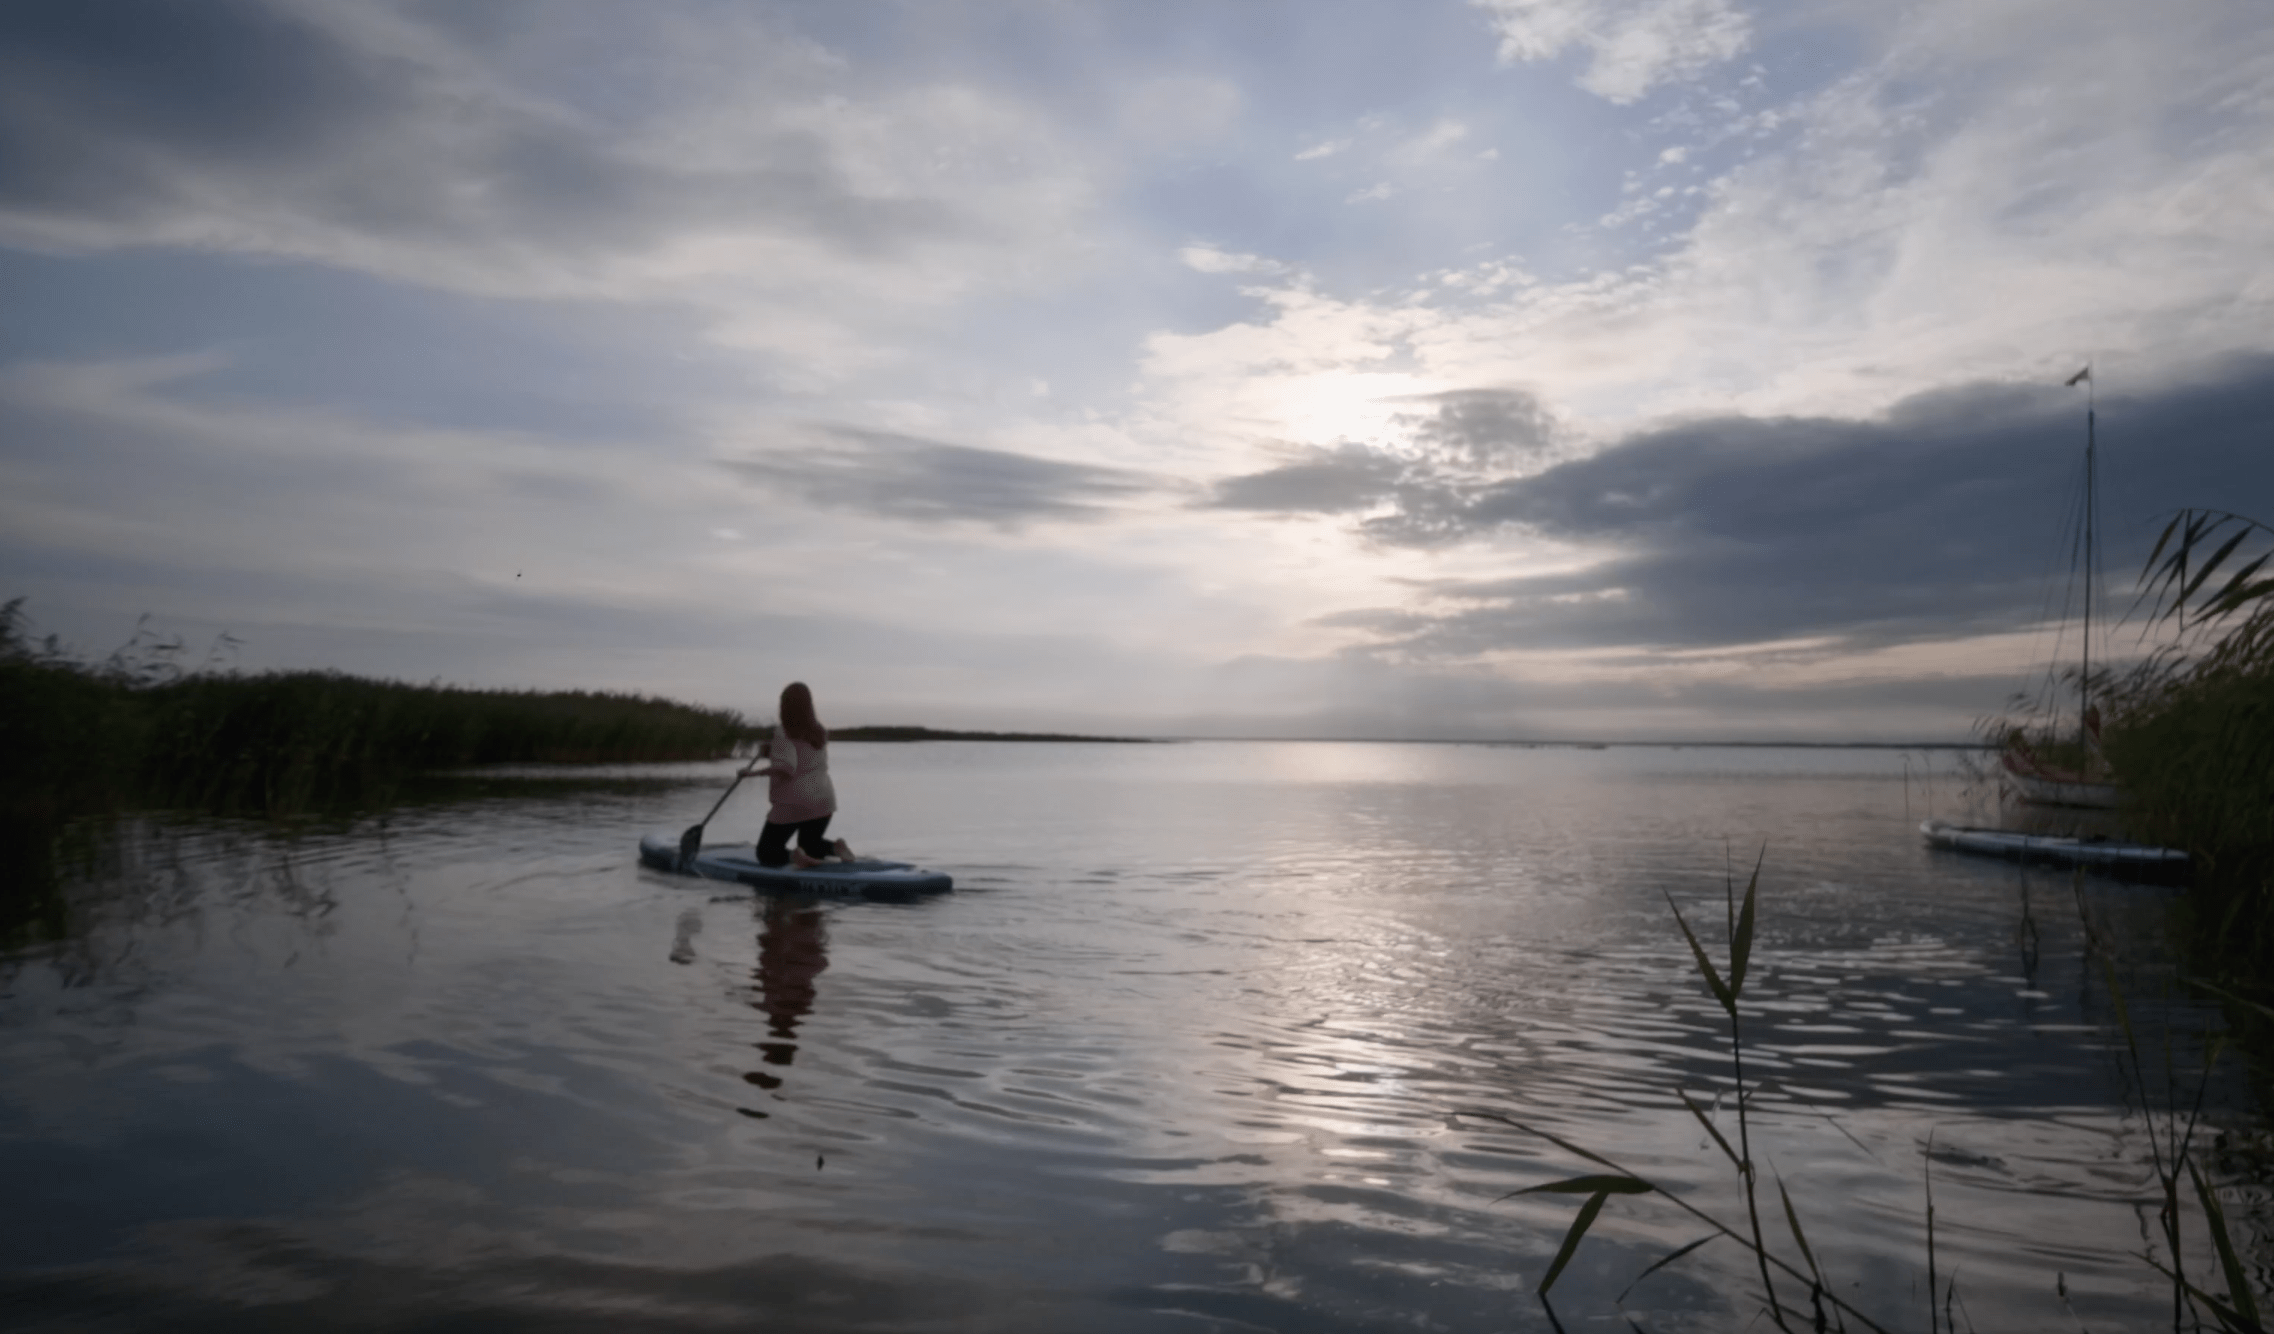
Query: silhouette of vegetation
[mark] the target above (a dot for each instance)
(281, 743)
(2191, 729)
(138, 730)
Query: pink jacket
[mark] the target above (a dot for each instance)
(799, 784)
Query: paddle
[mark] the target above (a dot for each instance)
(691, 842)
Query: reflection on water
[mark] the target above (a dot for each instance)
(793, 948)
(1181, 1052)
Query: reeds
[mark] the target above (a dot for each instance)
(2191, 729)
(286, 742)
(136, 729)
(1823, 1309)
(140, 728)
(2171, 1147)
(2188, 730)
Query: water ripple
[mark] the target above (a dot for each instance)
(1203, 1055)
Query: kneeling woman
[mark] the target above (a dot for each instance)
(797, 777)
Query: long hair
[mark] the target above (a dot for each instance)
(797, 716)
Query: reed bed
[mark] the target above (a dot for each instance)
(67, 742)
(2191, 730)
(83, 739)
(286, 742)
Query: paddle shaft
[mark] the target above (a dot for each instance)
(738, 777)
(691, 842)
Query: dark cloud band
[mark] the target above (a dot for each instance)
(227, 120)
(1943, 518)
(927, 481)
(1413, 492)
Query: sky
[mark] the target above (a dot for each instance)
(1493, 369)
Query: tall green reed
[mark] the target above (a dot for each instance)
(2191, 730)
(2174, 1122)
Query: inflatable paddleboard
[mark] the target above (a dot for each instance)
(2102, 853)
(866, 878)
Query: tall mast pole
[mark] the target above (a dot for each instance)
(2084, 682)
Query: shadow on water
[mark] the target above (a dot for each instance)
(37, 857)
(257, 1277)
(62, 877)
(109, 886)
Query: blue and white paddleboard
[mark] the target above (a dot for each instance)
(866, 878)
(2106, 854)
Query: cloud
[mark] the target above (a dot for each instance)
(98, 107)
(329, 540)
(1721, 440)
(1210, 259)
(1633, 45)
(1473, 435)
(1321, 481)
(1890, 696)
(1485, 431)
(498, 557)
(1916, 222)
(809, 216)
(228, 486)
(1180, 110)
(1415, 488)
(1405, 501)
(1939, 520)
(927, 481)
(1431, 143)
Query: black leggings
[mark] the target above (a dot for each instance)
(774, 843)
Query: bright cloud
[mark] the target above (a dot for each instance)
(1633, 45)
(1209, 259)
(1888, 246)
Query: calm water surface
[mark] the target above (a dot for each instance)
(1184, 1051)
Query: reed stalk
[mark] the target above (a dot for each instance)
(1826, 1309)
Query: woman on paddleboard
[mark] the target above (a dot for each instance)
(797, 778)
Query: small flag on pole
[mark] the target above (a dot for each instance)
(2079, 378)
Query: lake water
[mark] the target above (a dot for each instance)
(1186, 1050)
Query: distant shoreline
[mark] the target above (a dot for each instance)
(1618, 745)
(908, 733)
(897, 733)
